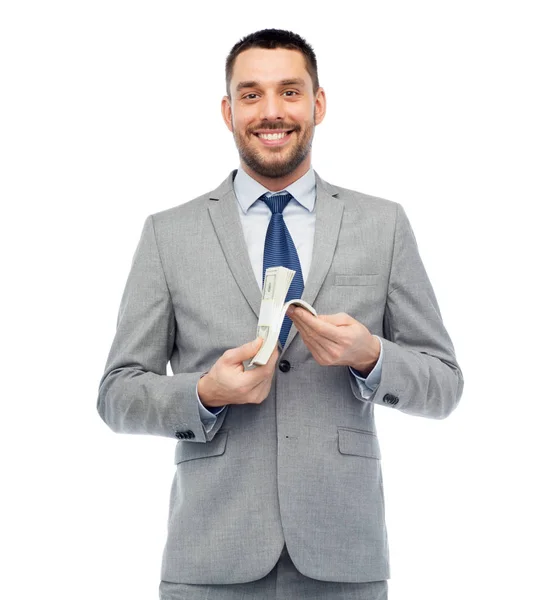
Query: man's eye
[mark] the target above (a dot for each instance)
(291, 92)
(249, 96)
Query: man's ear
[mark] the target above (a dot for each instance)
(227, 112)
(320, 108)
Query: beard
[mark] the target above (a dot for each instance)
(281, 161)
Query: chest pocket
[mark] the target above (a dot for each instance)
(370, 279)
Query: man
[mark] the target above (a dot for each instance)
(278, 488)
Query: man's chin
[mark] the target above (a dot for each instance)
(272, 169)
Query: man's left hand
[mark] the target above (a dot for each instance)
(337, 339)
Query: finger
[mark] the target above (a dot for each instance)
(275, 353)
(320, 349)
(316, 326)
(317, 345)
(266, 377)
(274, 357)
(253, 381)
(311, 334)
(249, 350)
(253, 377)
(339, 319)
(260, 384)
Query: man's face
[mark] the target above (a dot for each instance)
(272, 95)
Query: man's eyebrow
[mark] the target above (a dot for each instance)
(250, 84)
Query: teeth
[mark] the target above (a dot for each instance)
(272, 136)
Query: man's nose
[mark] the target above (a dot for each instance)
(272, 107)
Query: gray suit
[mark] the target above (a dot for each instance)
(303, 466)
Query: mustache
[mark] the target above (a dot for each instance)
(274, 127)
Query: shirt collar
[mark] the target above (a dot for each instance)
(248, 190)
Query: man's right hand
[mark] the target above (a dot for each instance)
(227, 382)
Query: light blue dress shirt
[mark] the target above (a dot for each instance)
(299, 216)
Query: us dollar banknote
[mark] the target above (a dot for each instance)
(273, 310)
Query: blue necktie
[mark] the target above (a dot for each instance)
(279, 251)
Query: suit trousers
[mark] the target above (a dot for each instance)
(283, 582)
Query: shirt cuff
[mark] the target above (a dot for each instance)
(208, 416)
(372, 381)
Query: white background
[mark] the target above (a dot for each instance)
(110, 111)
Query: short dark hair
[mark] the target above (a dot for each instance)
(271, 39)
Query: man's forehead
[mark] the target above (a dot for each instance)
(270, 67)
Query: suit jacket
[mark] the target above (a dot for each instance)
(303, 467)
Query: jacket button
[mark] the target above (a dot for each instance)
(390, 399)
(284, 366)
(185, 435)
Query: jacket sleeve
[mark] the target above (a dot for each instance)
(135, 393)
(420, 375)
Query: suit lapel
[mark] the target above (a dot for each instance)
(328, 217)
(226, 221)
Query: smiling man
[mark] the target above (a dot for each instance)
(272, 107)
(278, 490)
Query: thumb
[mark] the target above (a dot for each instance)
(248, 350)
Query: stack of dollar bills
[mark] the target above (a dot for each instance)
(273, 310)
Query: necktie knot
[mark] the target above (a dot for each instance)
(278, 202)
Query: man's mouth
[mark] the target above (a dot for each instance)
(274, 138)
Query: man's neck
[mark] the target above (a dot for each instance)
(276, 184)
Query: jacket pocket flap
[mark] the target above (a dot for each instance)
(370, 279)
(192, 450)
(358, 442)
